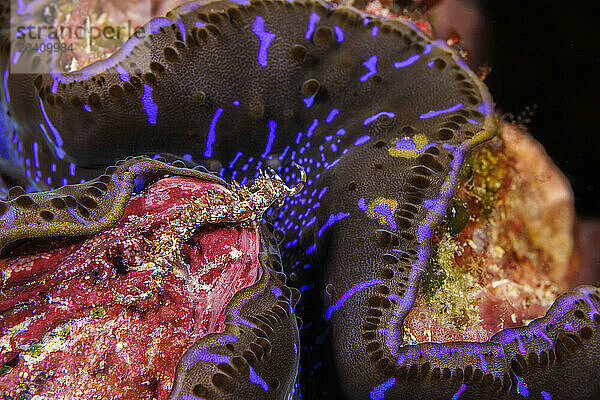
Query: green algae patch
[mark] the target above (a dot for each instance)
(448, 290)
(34, 350)
(64, 331)
(97, 312)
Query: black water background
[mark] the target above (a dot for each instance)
(546, 53)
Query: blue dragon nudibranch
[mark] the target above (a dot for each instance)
(380, 118)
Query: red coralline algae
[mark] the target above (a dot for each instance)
(65, 321)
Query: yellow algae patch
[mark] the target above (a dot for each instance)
(408, 147)
(382, 210)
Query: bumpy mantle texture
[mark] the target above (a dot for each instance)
(379, 116)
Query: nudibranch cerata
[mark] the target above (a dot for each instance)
(381, 119)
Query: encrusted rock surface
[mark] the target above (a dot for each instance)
(69, 326)
(506, 248)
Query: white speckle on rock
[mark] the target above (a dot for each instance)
(235, 253)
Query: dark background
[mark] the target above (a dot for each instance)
(547, 54)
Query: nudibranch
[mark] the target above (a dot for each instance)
(381, 119)
(119, 321)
